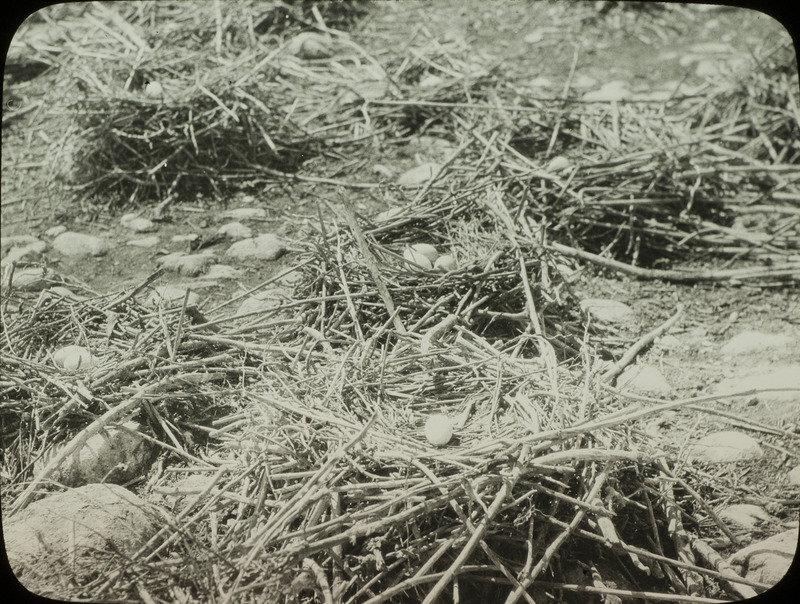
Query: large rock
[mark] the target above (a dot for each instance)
(80, 245)
(115, 455)
(766, 561)
(72, 535)
(263, 247)
(725, 447)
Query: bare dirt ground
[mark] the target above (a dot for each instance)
(564, 45)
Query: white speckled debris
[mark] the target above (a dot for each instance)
(724, 447)
(264, 247)
(80, 245)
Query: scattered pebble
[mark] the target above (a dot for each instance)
(137, 224)
(766, 561)
(235, 231)
(541, 82)
(756, 342)
(185, 238)
(724, 447)
(265, 247)
(794, 476)
(744, 515)
(80, 245)
(610, 91)
(609, 311)
(51, 538)
(29, 251)
(419, 175)
(145, 242)
(33, 279)
(584, 81)
(190, 265)
(245, 213)
(644, 379)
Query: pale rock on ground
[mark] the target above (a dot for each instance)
(245, 213)
(190, 265)
(114, 455)
(171, 295)
(794, 476)
(262, 301)
(223, 271)
(781, 385)
(235, 231)
(145, 242)
(724, 447)
(419, 175)
(61, 534)
(188, 238)
(28, 251)
(644, 379)
(745, 515)
(80, 245)
(608, 311)
(766, 561)
(33, 279)
(748, 342)
(263, 247)
(137, 224)
(6, 243)
(55, 231)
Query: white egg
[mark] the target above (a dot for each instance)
(416, 258)
(72, 358)
(154, 90)
(438, 430)
(445, 263)
(427, 250)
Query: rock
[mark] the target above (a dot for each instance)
(245, 213)
(794, 476)
(63, 292)
(265, 247)
(558, 164)
(584, 81)
(137, 224)
(541, 82)
(610, 91)
(744, 514)
(186, 490)
(724, 447)
(431, 80)
(80, 245)
(757, 342)
(764, 378)
(190, 265)
(114, 455)
(644, 379)
(55, 231)
(29, 251)
(6, 243)
(609, 311)
(185, 238)
(262, 301)
(668, 342)
(766, 561)
(419, 175)
(388, 215)
(59, 537)
(223, 271)
(145, 242)
(33, 279)
(235, 231)
(171, 295)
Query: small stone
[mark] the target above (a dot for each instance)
(388, 215)
(262, 301)
(744, 514)
(80, 245)
(668, 342)
(541, 82)
(584, 81)
(264, 247)
(185, 238)
(419, 175)
(609, 311)
(33, 279)
(794, 476)
(757, 342)
(235, 231)
(245, 213)
(223, 271)
(55, 231)
(310, 45)
(766, 561)
(137, 224)
(611, 91)
(190, 265)
(558, 164)
(644, 379)
(724, 447)
(28, 251)
(171, 295)
(431, 81)
(770, 378)
(6, 243)
(145, 242)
